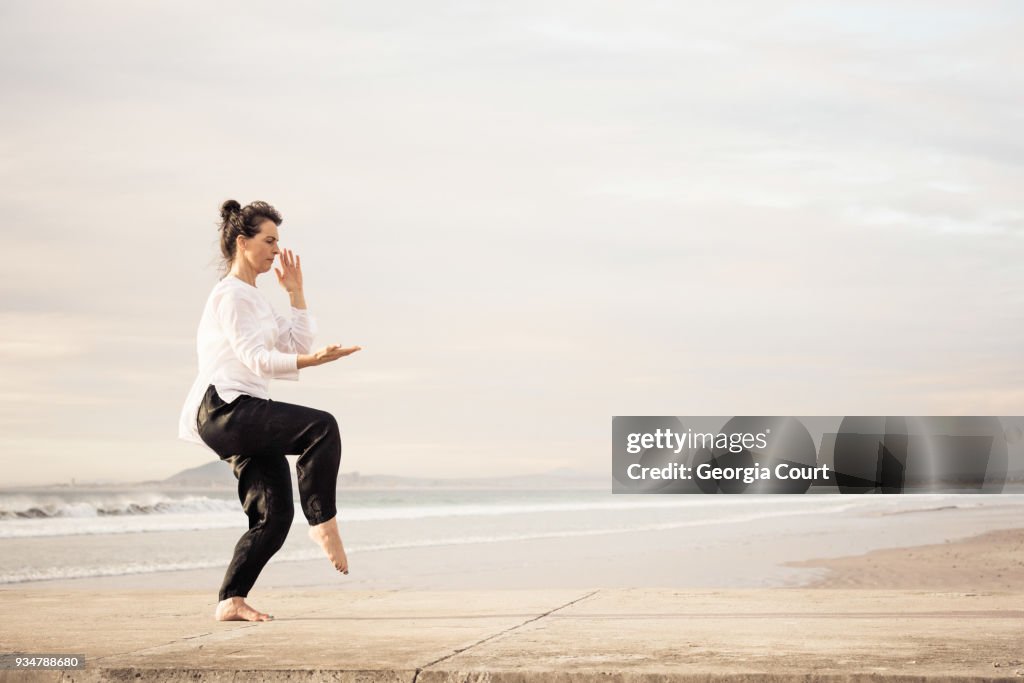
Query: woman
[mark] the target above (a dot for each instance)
(242, 344)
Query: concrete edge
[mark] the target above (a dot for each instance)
(181, 675)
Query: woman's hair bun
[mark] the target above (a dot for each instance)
(229, 207)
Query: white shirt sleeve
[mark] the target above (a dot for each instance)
(240, 323)
(295, 335)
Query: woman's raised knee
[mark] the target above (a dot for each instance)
(330, 424)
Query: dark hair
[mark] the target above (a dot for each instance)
(237, 220)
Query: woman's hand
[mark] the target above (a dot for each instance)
(326, 355)
(290, 272)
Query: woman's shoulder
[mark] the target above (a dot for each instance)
(230, 283)
(230, 289)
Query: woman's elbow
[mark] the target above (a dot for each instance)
(260, 365)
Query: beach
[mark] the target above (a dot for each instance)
(853, 573)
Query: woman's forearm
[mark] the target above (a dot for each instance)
(303, 360)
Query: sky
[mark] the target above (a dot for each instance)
(532, 216)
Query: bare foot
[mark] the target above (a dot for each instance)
(327, 537)
(235, 609)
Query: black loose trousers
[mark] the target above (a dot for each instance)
(253, 435)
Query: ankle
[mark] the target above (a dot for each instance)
(327, 523)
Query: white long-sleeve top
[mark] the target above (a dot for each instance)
(243, 343)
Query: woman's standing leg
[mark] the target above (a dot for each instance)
(265, 491)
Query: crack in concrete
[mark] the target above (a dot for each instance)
(174, 642)
(201, 635)
(500, 633)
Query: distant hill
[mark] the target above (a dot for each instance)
(217, 474)
(214, 473)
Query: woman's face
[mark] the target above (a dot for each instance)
(261, 249)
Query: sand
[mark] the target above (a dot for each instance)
(992, 561)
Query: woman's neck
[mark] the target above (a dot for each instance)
(244, 274)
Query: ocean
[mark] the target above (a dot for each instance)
(66, 533)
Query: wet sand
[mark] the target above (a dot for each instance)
(993, 561)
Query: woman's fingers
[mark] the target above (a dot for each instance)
(291, 261)
(338, 351)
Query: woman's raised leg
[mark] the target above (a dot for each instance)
(316, 437)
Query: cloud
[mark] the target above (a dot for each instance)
(1005, 222)
(532, 214)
